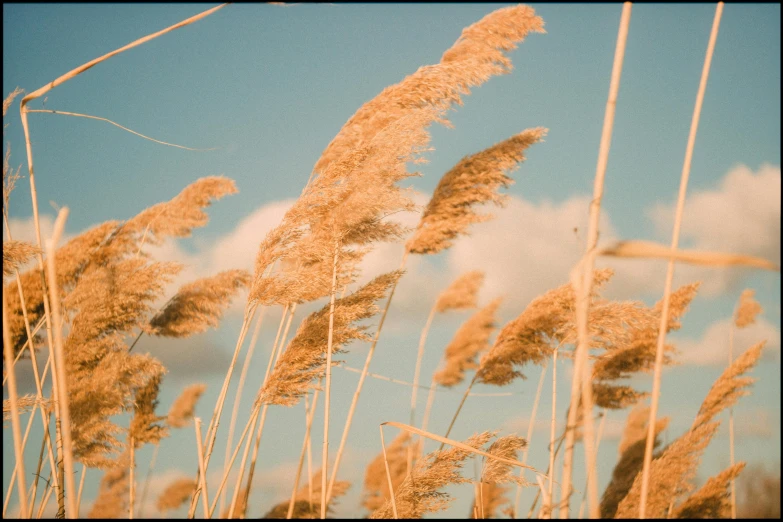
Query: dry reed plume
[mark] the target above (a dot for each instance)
(474, 180)
(305, 358)
(462, 293)
(303, 508)
(176, 494)
(675, 466)
(198, 305)
(471, 339)
(184, 407)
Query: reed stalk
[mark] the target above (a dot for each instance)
(459, 408)
(15, 426)
(731, 430)
(238, 394)
(144, 490)
(305, 443)
(132, 480)
(257, 444)
(62, 386)
(202, 470)
(81, 489)
(388, 475)
(530, 428)
(552, 429)
(686, 168)
(419, 357)
(215, 422)
(362, 377)
(582, 375)
(327, 385)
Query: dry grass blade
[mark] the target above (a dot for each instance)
(16, 254)
(88, 116)
(458, 445)
(198, 305)
(649, 249)
(8, 360)
(419, 493)
(376, 488)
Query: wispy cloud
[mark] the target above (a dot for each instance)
(712, 348)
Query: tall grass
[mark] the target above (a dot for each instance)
(99, 295)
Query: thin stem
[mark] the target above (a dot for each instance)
(62, 385)
(731, 429)
(358, 391)
(419, 357)
(328, 384)
(36, 375)
(64, 113)
(81, 489)
(45, 501)
(201, 467)
(560, 442)
(132, 480)
(308, 424)
(552, 429)
(251, 422)
(662, 327)
(459, 408)
(257, 444)
(238, 394)
(215, 422)
(597, 444)
(240, 475)
(147, 480)
(15, 426)
(530, 427)
(388, 475)
(582, 371)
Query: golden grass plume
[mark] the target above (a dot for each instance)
(184, 406)
(473, 181)
(198, 305)
(471, 339)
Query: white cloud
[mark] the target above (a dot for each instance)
(713, 346)
(526, 249)
(24, 229)
(742, 215)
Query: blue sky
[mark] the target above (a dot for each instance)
(271, 85)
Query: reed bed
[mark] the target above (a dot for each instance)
(103, 293)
